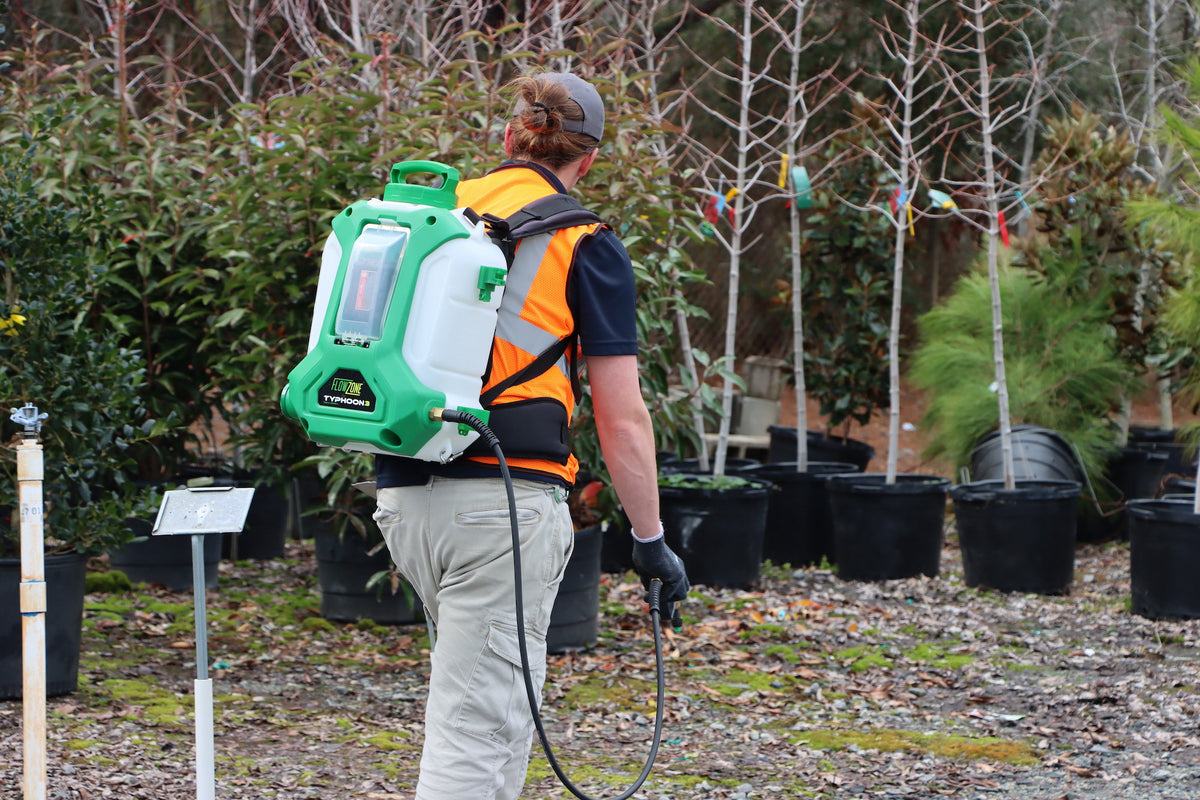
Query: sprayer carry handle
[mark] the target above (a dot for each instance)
(442, 195)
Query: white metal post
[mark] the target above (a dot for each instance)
(198, 512)
(30, 473)
(206, 771)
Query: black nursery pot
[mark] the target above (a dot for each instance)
(266, 528)
(717, 532)
(886, 531)
(575, 617)
(63, 619)
(344, 566)
(1017, 540)
(1041, 454)
(1164, 549)
(165, 559)
(799, 528)
(840, 449)
(1153, 464)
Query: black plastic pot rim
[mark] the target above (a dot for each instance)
(784, 469)
(691, 466)
(1182, 511)
(787, 430)
(876, 483)
(1026, 489)
(752, 488)
(48, 559)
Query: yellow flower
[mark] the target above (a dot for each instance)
(9, 324)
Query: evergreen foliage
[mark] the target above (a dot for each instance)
(1064, 371)
(213, 230)
(847, 286)
(1177, 220)
(57, 354)
(1083, 233)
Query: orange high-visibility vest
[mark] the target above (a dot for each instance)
(535, 413)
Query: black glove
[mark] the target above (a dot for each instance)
(655, 560)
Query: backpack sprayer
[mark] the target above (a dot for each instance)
(406, 310)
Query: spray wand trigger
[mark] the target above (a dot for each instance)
(660, 609)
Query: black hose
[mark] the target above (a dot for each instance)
(652, 597)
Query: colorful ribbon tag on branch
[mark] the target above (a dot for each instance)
(783, 173)
(942, 200)
(1003, 227)
(717, 203)
(801, 187)
(897, 199)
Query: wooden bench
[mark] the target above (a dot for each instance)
(741, 445)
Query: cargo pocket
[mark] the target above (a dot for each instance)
(494, 704)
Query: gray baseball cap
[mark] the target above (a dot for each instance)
(586, 97)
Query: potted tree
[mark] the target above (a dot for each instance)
(798, 528)
(732, 191)
(1015, 535)
(842, 285)
(1082, 223)
(1163, 533)
(1068, 379)
(890, 525)
(836, 362)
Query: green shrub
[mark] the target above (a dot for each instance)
(1060, 358)
(57, 353)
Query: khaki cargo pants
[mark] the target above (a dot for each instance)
(451, 539)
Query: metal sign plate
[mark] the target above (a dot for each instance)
(207, 509)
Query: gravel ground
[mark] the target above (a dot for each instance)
(808, 686)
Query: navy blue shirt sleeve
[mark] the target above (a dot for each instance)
(604, 296)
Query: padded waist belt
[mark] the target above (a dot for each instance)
(537, 428)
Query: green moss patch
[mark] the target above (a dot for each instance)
(938, 657)
(863, 658)
(144, 700)
(609, 692)
(389, 741)
(111, 582)
(968, 748)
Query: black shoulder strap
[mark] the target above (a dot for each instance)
(546, 214)
(550, 213)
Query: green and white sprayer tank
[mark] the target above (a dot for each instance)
(406, 309)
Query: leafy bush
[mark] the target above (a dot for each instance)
(1084, 240)
(847, 285)
(56, 353)
(213, 248)
(151, 182)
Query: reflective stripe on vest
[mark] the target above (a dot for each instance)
(535, 291)
(510, 326)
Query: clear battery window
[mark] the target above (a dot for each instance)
(371, 272)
